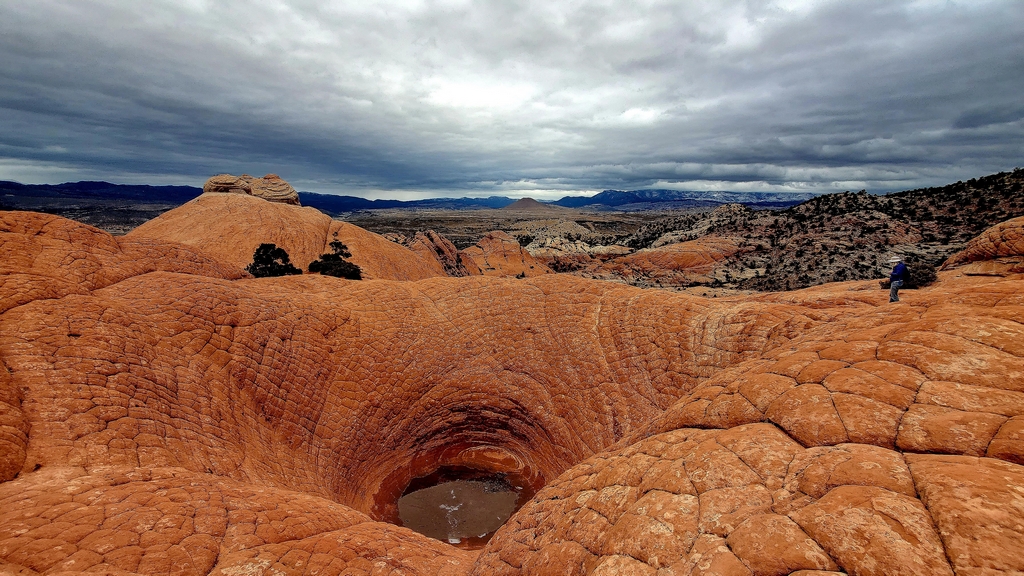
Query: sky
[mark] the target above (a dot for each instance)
(414, 99)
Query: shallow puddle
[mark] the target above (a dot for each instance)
(465, 513)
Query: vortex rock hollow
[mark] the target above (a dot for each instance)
(163, 413)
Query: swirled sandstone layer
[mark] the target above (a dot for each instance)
(1000, 248)
(179, 419)
(271, 187)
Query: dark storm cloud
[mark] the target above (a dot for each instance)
(540, 98)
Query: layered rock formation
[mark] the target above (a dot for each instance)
(498, 254)
(171, 417)
(435, 248)
(271, 187)
(550, 248)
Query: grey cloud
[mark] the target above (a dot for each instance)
(987, 116)
(517, 97)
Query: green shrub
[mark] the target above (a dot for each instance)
(269, 260)
(334, 264)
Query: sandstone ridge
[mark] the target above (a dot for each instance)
(160, 413)
(998, 248)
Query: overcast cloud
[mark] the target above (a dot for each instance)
(539, 98)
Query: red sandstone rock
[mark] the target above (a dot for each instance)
(861, 529)
(231, 226)
(977, 505)
(867, 359)
(170, 521)
(1008, 443)
(47, 256)
(870, 530)
(379, 258)
(773, 545)
(1004, 240)
(680, 262)
(499, 254)
(433, 247)
(163, 415)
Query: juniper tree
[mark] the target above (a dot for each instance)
(334, 264)
(269, 260)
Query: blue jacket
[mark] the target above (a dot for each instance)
(899, 272)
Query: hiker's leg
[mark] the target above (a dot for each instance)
(894, 289)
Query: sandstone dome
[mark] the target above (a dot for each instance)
(161, 413)
(230, 227)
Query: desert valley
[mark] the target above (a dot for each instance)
(676, 394)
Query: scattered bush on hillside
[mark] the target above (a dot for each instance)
(334, 264)
(524, 239)
(269, 260)
(565, 264)
(922, 274)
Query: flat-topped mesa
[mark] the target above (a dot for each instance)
(271, 187)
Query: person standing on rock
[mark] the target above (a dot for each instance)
(897, 277)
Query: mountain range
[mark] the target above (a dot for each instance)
(643, 199)
(36, 196)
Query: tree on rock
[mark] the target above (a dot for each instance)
(334, 264)
(269, 260)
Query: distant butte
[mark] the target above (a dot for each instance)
(163, 413)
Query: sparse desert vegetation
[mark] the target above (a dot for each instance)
(334, 263)
(269, 261)
(830, 238)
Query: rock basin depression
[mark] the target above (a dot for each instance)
(163, 413)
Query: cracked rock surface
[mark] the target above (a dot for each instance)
(160, 413)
